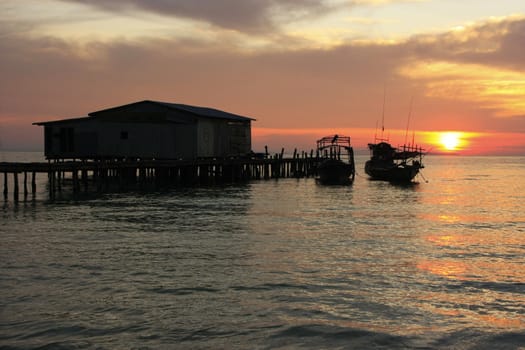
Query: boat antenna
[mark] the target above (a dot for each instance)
(408, 121)
(383, 116)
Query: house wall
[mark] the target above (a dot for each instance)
(95, 139)
(148, 140)
(240, 137)
(70, 140)
(206, 137)
(223, 138)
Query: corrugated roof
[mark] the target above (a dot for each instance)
(86, 118)
(205, 112)
(198, 111)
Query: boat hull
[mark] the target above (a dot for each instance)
(335, 172)
(392, 173)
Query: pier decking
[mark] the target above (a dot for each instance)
(98, 175)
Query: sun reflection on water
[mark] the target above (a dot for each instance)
(448, 269)
(472, 255)
(474, 307)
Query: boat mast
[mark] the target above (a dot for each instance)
(408, 122)
(383, 116)
(382, 138)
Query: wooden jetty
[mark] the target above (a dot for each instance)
(100, 174)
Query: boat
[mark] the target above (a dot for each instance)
(335, 165)
(392, 164)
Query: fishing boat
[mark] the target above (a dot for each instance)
(388, 163)
(392, 164)
(335, 164)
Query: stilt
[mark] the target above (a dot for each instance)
(16, 189)
(33, 183)
(5, 186)
(76, 185)
(25, 184)
(84, 179)
(52, 184)
(142, 177)
(58, 179)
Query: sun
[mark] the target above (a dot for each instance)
(450, 140)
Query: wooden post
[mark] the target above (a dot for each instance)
(84, 175)
(204, 174)
(311, 163)
(15, 192)
(33, 183)
(273, 165)
(50, 182)
(142, 176)
(217, 173)
(5, 186)
(293, 166)
(51, 176)
(76, 185)
(58, 180)
(25, 184)
(119, 172)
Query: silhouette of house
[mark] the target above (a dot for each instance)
(149, 130)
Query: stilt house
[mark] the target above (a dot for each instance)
(149, 130)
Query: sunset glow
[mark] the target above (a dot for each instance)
(496, 88)
(300, 68)
(457, 142)
(450, 140)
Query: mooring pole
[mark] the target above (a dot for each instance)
(25, 184)
(33, 183)
(15, 192)
(5, 185)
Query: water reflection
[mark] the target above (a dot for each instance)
(445, 268)
(270, 262)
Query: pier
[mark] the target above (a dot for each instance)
(99, 175)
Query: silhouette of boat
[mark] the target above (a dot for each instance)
(392, 164)
(335, 164)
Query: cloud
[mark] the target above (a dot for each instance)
(252, 16)
(246, 16)
(481, 64)
(384, 2)
(493, 88)
(493, 42)
(46, 78)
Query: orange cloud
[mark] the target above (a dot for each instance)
(501, 90)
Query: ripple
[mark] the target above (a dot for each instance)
(273, 264)
(183, 291)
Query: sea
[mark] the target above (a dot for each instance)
(271, 264)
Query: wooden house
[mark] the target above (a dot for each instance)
(149, 130)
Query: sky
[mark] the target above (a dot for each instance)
(451, 72)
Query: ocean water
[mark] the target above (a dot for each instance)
(279, 264)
